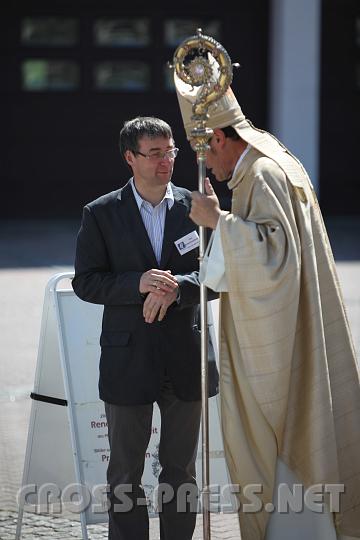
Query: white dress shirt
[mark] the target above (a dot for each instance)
(154, 217)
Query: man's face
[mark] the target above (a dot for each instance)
(217, 162)
(156, 168)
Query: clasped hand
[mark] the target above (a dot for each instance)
(159, 282)
(156, 306)
(162, 288)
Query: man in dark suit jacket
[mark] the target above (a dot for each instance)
(137, 255)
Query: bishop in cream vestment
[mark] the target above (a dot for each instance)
(289, 381)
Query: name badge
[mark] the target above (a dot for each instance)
(187, 243)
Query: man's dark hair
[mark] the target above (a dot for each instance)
(139, 127)
(230, 133)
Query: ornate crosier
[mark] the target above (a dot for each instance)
(195, 62)
(200, 61)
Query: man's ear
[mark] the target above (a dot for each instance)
(129, 158)
(219, 136)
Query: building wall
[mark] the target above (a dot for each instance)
(60, 146)
(295, 37)
(314, 74)
(300, 78)
(340, 107)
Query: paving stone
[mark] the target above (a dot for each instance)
(223, 527)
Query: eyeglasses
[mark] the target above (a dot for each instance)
(158, 156)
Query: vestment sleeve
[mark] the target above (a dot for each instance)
(262, 246)
(262, 262)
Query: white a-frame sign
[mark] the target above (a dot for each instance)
(67, 449)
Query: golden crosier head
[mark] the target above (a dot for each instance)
(203, 73)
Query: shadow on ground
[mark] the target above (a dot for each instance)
(36, 243)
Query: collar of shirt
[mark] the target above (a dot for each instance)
(239, 161)
(169, 196)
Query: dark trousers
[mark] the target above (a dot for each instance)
(129, 433)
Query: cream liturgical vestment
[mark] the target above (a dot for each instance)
(289, 380)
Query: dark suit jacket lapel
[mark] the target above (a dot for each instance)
(133, 223)
(173, 225)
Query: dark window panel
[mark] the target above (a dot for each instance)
(48, 75)
(111, 32)
(176, 30)
(49, 31)
(128, 76)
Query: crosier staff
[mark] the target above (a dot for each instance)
(200, 61)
